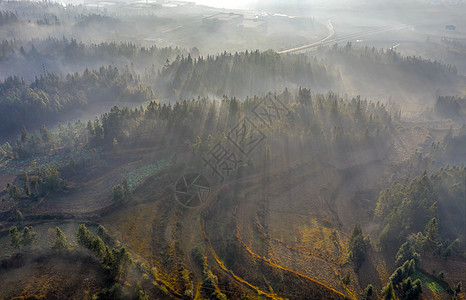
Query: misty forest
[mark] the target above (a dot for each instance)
(301, 149)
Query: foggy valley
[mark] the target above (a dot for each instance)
(250, 149)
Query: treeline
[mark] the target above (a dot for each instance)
(401, 286)
(210, 287)
(312, 120)
(413, 64)
(374, 71)
(449, 151)
(48, 19)
(8, 17)
(425, 216)
(451, 107)
(327, 117)
(32, 11)
(70, 51)
(70, 138)
(454, 150)
(244, 74)
(49, 97)
(90, 19)
(124, 278)
(36, 184)
(8, 49)
(75, 51)
(48, 13)
(335, 118)
(425, 211)
(116, 260)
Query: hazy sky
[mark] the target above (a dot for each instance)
(251, 4)
(228, 3)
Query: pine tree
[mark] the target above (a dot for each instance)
(15, 237)
(60, 240)
(29, 237)
(432, 232)
(24, 135)
(357, 247)
(387, 292)
(84, 236)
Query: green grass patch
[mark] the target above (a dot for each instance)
(137, 176)
(427, 280)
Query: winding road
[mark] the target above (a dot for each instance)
(320, 42)
(330, 38)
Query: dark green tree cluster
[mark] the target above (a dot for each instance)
(450, 106)
(71, 50)
(358, 247)
(8, 17)
(106, 237)
(430, 239)
(36, 184)
(210, 285)
(7, 49)
(314, 121)
(155, 123)
(22, 239)
(243, 74)
(48, 19)
(457, 290)
(405, 208)
(441, 154)
(29, 145)
(410, 210)
(117, 261)
(118, 193)
(401, 285)
(311, 116)
(121, 191)
(114, 292)
(67, 139)
(454, 151)
(368, 292)
(371, 59)
(60, 244)
(50, 97)
(406, 252)
(93, 19)
(209, 280)
(429, 242)
(346, 279)
(345, 122)
(199, 256)
(30, 11)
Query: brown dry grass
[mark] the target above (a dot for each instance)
(52, 277)
(291, 229)
(295, 230)
(148, 226)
